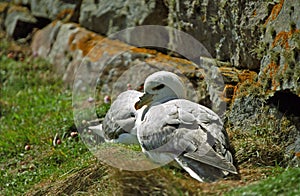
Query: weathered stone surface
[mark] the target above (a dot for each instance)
(270, 116)
(253, 108)
(233, 40)
(107, 16)
(280, 67)
(208, 22)
(60, 53)
(73, 49)
(3, 12)
(19, 22)
(44, 39)
(56, 9)
(232, 31)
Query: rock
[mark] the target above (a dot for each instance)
(294, 151)
(260, 124)
(19, 22)
(113, 64)
(56, 9)
(283, 15)
(267, 103)
(106, 17)
(230, 30)
(230, 75)
(233, 40)
(280, 66)
(3, 12)
(44, 39)
(237, 36)
(60, 54)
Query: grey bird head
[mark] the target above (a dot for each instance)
(160, 87)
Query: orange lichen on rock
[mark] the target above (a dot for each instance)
(3, 7)
(273, 69)
(297, 154)
(143, 50)
(84, 41)
(285, 67)
(173, 59)
(108, 47)
(275, 11)
(183, 65)
(94, 46)
(55, 22)
(247, 84)
(64, 14)
(228, 92)
(16, 8)
(283, 37)
(87, 42)
(247, 75)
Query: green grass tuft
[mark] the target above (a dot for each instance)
(286, 183)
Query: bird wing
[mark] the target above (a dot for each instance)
(212, 158)
(211, 122)
(182, 127)
(121, 116)
(214, 150)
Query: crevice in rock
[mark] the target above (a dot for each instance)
(26, 29)
(76, 13)
(42, 22)
(26, 5)
(165, 51)
(286, 102)
(70, 1)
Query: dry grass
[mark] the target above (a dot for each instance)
(98, 179)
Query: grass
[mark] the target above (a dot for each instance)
(34, 107)
(286, 183)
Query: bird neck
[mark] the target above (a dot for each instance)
(163, 100)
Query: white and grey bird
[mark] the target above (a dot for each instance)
(172, 127)
(118, 125)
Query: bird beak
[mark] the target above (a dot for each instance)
(144, 100)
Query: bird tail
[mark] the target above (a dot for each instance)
(200, 171)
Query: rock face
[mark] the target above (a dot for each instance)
(233, 40)
(107, 16)
(230, 30)
(280, 66)
(275, 93)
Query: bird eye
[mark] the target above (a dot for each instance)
(158, 87)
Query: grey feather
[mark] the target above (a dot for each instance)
(189, 132)
(119, 123)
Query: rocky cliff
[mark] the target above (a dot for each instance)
(254, 45)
